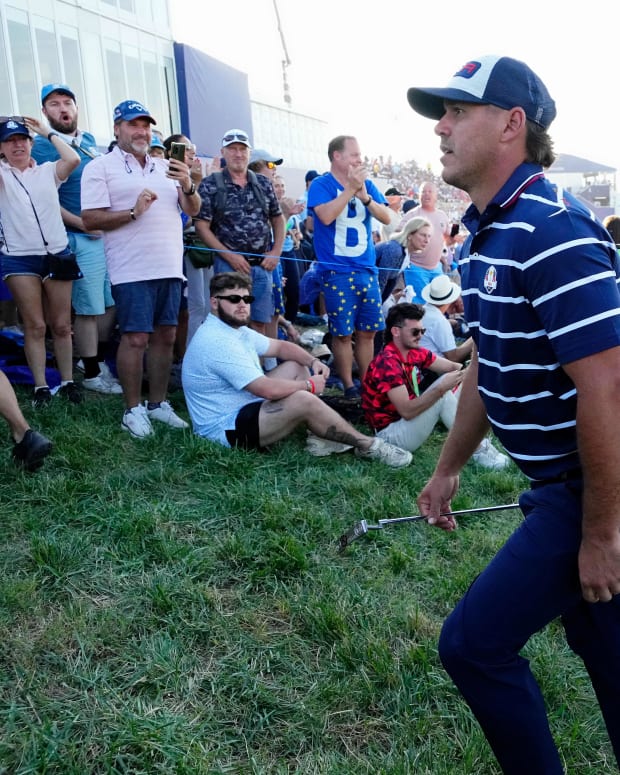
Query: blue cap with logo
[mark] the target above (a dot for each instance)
(61, 88)
(130, 109)
(156, 142)
(12, 127)
(490, 80)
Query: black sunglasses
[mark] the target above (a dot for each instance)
(239, 137)
(235, 298)
(417, 331)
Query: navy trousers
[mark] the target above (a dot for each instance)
(532, 580)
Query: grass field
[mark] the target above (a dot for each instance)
(169, 606)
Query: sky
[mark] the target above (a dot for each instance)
(351, 62)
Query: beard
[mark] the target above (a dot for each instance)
(66, 127)
(231, 320)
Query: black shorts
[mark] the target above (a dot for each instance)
(246, 432)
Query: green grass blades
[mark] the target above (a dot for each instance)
(169, 606)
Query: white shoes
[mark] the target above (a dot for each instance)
(166, 414)
(104, 382)
(319, 447)
(488, 457)
(392, 456)
(137, 422)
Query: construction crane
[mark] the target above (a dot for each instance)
(286, 61)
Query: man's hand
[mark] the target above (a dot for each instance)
(179, 171)
(320, 368)
(599, 568)
(319, 383)
(145, 199)
(448, 381)
(237, 262)
(356, 179)
(270, 262)
(435, 499)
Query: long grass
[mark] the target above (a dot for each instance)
(169, 606)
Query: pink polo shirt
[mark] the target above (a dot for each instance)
(151, 247)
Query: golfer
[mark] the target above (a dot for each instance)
(541, 299)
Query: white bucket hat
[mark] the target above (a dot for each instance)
(441, 290)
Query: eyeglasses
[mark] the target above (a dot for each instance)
(18, 119)
(415, 331)
(239, 137)
(235, 298)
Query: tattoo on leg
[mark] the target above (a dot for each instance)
(272, 407)
(344, 437)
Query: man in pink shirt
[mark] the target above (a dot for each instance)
(134, 199)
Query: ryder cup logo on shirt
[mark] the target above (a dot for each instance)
(490, 279)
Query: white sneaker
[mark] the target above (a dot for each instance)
(319, 447)
(105, 372)
(166, 414)
(136, 421)
(386, 453)
(487, 456)
(101, 385)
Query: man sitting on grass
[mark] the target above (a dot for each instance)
(232, 401)
(394, 400)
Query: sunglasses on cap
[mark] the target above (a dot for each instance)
(270, 165)
(240, 137)
(18, 119)
(235, 298)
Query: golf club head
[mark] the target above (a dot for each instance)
(353, 533)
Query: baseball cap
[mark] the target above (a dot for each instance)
(311, 175)
(490, 80)
(259, 154)
(393, 192)
(409, 204)
(130, 109)
(236, 136)
(12, 127)
(50, 88)
(441, 290)
(156, 142)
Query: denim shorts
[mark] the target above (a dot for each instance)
(36, 266)
(144, 305)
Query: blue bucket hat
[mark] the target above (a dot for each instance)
(490, 80)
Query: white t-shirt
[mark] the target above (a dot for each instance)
(439, 337)
(151, 247)
(218, 364)
(22, 235)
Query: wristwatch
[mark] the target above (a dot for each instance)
(367, 202)
(191, 191)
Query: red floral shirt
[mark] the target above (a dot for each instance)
(389, 370)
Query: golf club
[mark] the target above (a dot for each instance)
(362, 527)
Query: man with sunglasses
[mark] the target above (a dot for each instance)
(247, 231)
(135, 199)
(233, 402)
(395, 403)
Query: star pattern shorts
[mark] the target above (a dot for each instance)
(353, 302)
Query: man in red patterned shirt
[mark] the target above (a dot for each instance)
(394, 400)
(394, 403)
